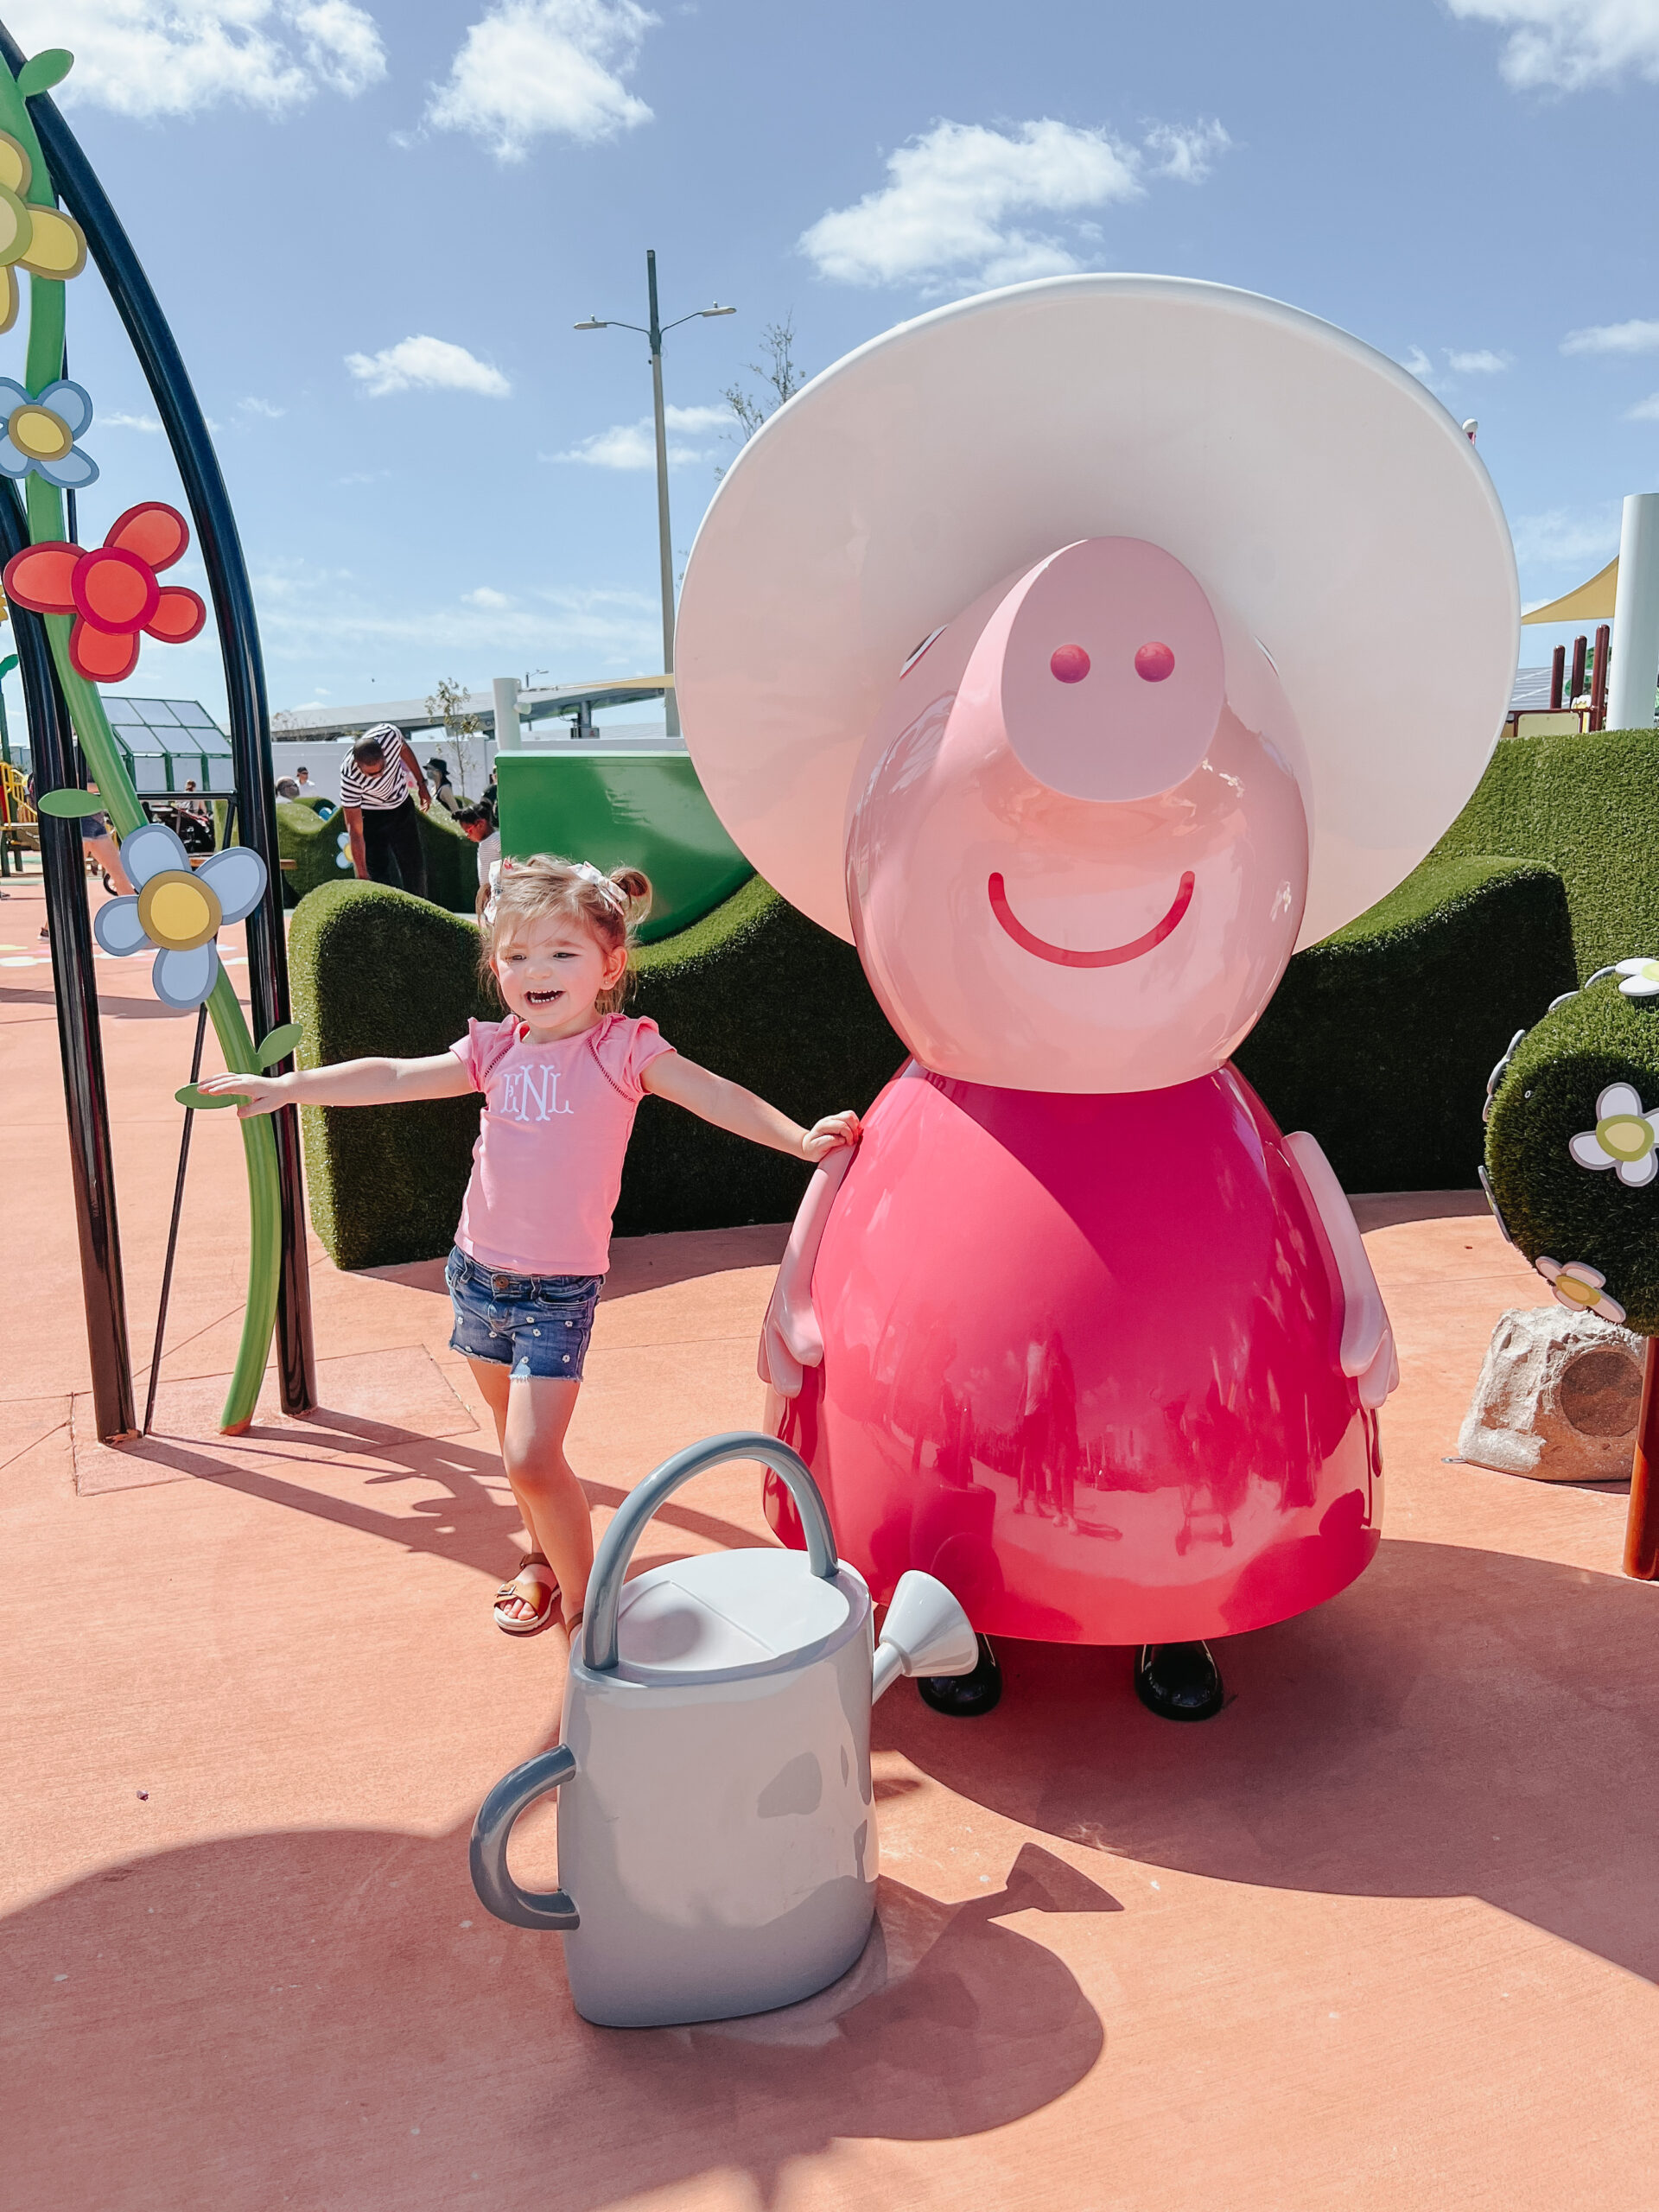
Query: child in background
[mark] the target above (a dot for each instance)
(561, 1075)
(479, 823)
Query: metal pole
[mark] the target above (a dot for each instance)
(209, 503)
(1557, 678)
(1599, 680)
(1642, 1525)
(665, 535)
(80, 1041)
(1633, 664)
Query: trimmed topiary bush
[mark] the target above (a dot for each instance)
(1586, 807)
(1380, 1038)
(312, 843)
(1550, 1204)
(451, 862)
(758, 993)
(376, 972)
(754, 991)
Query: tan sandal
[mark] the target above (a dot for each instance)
(534, 1576)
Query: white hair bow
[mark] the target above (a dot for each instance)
(492, 888)
(614, 892)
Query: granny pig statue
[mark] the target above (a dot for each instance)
(1076, 1329)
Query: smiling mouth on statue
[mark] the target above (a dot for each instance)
(1112, 955)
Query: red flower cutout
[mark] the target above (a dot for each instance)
(112, 593)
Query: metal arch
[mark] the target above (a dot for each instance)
(152, 340)
(80, 1038)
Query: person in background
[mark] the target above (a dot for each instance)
(479, 823)
(287, 788)
(380, 819)
(442, 790)
(98, 842)
(303, 778)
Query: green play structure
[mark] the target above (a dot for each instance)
(638, 809)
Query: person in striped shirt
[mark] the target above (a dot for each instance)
(380, 818)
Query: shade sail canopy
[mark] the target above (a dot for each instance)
(1591, 602)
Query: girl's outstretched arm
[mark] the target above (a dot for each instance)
(728, 1106)
(347, 1083)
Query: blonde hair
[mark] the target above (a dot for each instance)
(522, 891)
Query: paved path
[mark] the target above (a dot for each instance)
(1384, 1936)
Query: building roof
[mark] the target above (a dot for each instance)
(322, 723)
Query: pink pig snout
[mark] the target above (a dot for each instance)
(1103, 667)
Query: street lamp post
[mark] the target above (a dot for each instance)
(656, 331)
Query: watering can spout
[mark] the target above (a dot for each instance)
(926, 1632)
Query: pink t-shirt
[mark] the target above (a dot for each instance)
(548, 1163)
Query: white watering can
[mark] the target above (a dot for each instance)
(716, 1823)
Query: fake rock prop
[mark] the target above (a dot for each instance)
(1557, 1400)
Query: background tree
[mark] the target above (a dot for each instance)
(463, 730)
(780, 379)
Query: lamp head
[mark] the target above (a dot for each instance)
(592, 323)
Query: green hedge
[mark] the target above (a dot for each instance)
(1380, 1039)
(1588, 807)
(754, 991)
(1549, 1203)
(376, 972)
(313, 845)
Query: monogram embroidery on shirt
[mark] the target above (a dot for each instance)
(525, 1088)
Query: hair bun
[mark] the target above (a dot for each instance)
(632, 883)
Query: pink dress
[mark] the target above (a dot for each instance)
(1119, 1415)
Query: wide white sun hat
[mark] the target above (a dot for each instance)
(1306, 480)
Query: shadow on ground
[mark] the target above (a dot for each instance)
(1458, 1723)
(331, 2020)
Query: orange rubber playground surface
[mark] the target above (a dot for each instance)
(1384, 1934)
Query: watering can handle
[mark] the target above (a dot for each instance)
(605, 1584)
(496, 1890)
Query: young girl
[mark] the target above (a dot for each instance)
(561, 1075)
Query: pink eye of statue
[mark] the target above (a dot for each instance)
(1153, 663)
(1070, 663)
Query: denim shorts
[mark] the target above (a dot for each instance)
(535, 1324)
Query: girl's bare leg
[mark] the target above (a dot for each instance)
(531, 1414)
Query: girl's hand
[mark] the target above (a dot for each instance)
(264, 1093)
(829, 1135)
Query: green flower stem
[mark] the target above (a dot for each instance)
(45, 508)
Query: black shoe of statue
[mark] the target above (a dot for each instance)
(1178, 1681)
(965, 1695)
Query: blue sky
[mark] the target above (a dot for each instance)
(373, 227)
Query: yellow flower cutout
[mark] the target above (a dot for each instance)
(39, 240)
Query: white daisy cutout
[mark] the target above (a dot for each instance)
(1624, 1137)
(1641, 978)
(1582, 1290)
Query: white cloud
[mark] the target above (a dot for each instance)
(116, 420)
(262, 407)
(1645, 410)
(1186, 152)
(1613, 338)
(955, 199)
(145, 59)
(634, 445)
(491, 601)
(1477, 362)
(528, 66)
(1563, 538)
(1566, 45)
(426, 365)
(310, 614)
